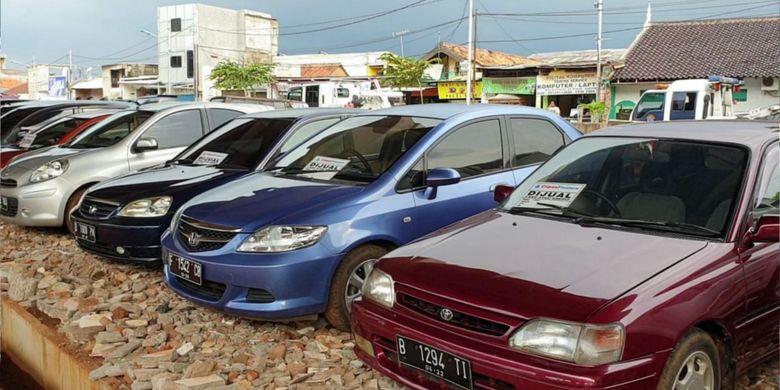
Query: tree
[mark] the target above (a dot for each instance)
(405, 72)
(232, 75)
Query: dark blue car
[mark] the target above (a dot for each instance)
(123, 218)
(300, 237)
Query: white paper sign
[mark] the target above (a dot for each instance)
(329, 166)
(559, 194)
(27, 141)
(210, 158)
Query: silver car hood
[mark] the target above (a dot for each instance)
(35, 158)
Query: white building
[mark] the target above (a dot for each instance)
(117, 86)
(39, 78)
(196, 37)
(291, 70)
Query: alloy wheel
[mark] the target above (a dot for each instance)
(356, 280)
(696, 373)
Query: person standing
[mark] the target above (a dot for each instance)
(554, 108)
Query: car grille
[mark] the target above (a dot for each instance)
(458, 319)
(209, 290)
(209, 237)
(256, 295)
(8, 183)
(97, 208)
(11, 209)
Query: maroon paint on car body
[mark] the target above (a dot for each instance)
(497, 271)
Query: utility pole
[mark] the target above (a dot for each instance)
(70, 73)
(401, 34)
(470, 52)
(599, 8)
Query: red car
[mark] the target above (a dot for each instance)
(58, 132)
(638, 257)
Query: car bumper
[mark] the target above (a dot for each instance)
(275, 286)
(130, 243)
(379, 327)
(38, 204)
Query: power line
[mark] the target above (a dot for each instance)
(464, 15)
(557, 36)
(501, 27)
(619, 11)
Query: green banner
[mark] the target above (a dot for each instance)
(510, 85)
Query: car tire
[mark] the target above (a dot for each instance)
(73, 201)
(694, 361)
(359, 259)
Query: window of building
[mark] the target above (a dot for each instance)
(175, 61)
(342, 92)
(740, 96)
(535, 140)
(190, 65)
(295, 94)
(175, 24)
(472, 150)
(116, 74)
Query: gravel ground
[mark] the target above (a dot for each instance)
(142, 336)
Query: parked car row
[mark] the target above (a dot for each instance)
(487, 247)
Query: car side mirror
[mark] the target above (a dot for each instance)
(502, 192)
(440, 177)
(144, 144)
(767, 229)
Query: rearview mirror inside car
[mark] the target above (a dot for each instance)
(767, 229)
(144, 144)
(440, 177)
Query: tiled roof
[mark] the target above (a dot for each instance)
(740, 47)
(323, 70)
(482, 57)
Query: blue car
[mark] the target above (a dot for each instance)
(300, 237)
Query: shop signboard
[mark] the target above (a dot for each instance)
(455, 90)
(564, 82)
(58, 86)
(510, 85)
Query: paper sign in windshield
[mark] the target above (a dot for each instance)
(210, 158)
(27, 141)
(559, 194)
(328, 167)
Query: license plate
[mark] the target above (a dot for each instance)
(435, 362)
(3, 203)
(186, 269)
(84, 231)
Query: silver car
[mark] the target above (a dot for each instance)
(37, 188)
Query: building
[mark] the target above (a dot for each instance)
(194, 38)
(118, 81)
(88, 89)
(744, 48)
(13, 82)
(47, 81)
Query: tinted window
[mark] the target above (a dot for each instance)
(413, 179)
(295, 94)
(474, 149)
(304, 132)
(111, 130)
(768, 200)
(50, 135)
(535, 140)
(220, 116)
(177, 129)
(244, 141)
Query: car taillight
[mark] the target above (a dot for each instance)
(716, 87)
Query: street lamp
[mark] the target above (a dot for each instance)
(147, 32)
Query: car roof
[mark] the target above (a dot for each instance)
(301, 112)
(245, 108)
(93, 113)
(448, 110)
(751, 133)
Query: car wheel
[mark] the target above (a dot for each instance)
(693, 365)
(73, 201)
(348, 281)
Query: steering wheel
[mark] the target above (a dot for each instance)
(363, 160)
(606, 200)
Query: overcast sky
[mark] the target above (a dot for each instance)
(96, 29)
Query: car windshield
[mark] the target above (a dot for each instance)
(650, 101)
(50, 134)
(110, 131)
(356, 150)
(683, 187)
(239, 144)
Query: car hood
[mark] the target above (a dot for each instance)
(259, 199)
(535, 267)
(180, 181)
(35, 158)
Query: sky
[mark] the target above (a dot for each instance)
(107, 31)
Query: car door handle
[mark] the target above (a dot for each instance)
(493, 187)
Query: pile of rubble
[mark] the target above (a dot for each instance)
(149, 338)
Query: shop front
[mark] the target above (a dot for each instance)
(567, 88)
(455, 91)
(509, 90)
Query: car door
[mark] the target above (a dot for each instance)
(533, 140)
(173, 133)
(476, 151)
(761, 264)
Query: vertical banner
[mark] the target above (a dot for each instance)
(58, 86)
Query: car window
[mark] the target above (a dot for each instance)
(220, 116)
(651, 101)
(295, 94)
(535, 140)
(768, 199)
(50, 135)
(414, 179)
(342, 92)
(304, 132)
(683, 105)
(111, 130)
(472, 150)
(177, 129)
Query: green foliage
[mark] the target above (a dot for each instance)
(597, 110)
(234, 76)
(404, 72)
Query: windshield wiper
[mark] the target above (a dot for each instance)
(565, 211)
(657, 225)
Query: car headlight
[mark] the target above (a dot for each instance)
(282, 238)
(378, 287)
(49, 171)
(147, 208)
(584, 344)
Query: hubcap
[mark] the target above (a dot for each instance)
(356, 280)
(696, 373)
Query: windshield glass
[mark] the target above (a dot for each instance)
(652, 101)
(50, 134)
(240, 144)
(357, 149)
(680, 186)
(110, 131)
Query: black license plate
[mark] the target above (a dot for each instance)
(3, 203)
(186, 269)
(435, 362)
(84, 231)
